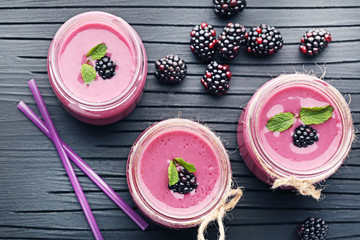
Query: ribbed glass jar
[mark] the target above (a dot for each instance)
(110, 111)
(262, 162)
(181, 218)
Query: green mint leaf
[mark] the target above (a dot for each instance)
(280, 122)
(97, 52)
(173, 173)
(315, 115)
(88, 73)
(188, 166)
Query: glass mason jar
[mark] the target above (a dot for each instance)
(139, 191)
(265, 166)
(110, 111)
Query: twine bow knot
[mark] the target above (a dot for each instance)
(304, 187)
(227, 204)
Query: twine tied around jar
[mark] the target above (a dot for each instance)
(304, 187)
(227, 203)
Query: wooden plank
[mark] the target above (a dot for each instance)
(239, 84)
(256, 74)
(192, 16)
(161, 33)
(183, 3)
(110, 220)
(173, 100)
(135, 122)
(286, 231)
(338, 53)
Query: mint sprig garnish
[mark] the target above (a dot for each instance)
(280, 122)
(173, 173)
(97, 52)
(88, 73)
(188, 166)
(315, 115)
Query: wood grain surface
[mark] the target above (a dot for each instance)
(36, 197)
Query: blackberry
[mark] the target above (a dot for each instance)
(264, 40)
(229, 8)
(170, 69)
(216, 78)
(105, 67)
(314, 41)
(312, 228)
(187, 182)
(231, 40)
(304, 136)
(203, 42)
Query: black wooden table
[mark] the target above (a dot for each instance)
(36, 197)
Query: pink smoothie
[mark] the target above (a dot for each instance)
(153, 171)
(279, 144)
(72, 55)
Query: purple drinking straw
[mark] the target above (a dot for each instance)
(86, 169)
(65, 160)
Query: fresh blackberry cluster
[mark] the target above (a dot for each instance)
(314, 41)
(170, 69)
(264, 40)
(304, 136)
(229, 8)
(187, 182)
(105, 67)
(231, 40)
(313, 229)
(216, 78)
(203, 41)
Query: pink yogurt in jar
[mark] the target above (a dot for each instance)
(147, 172)
(260, 147)
(101, 101)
